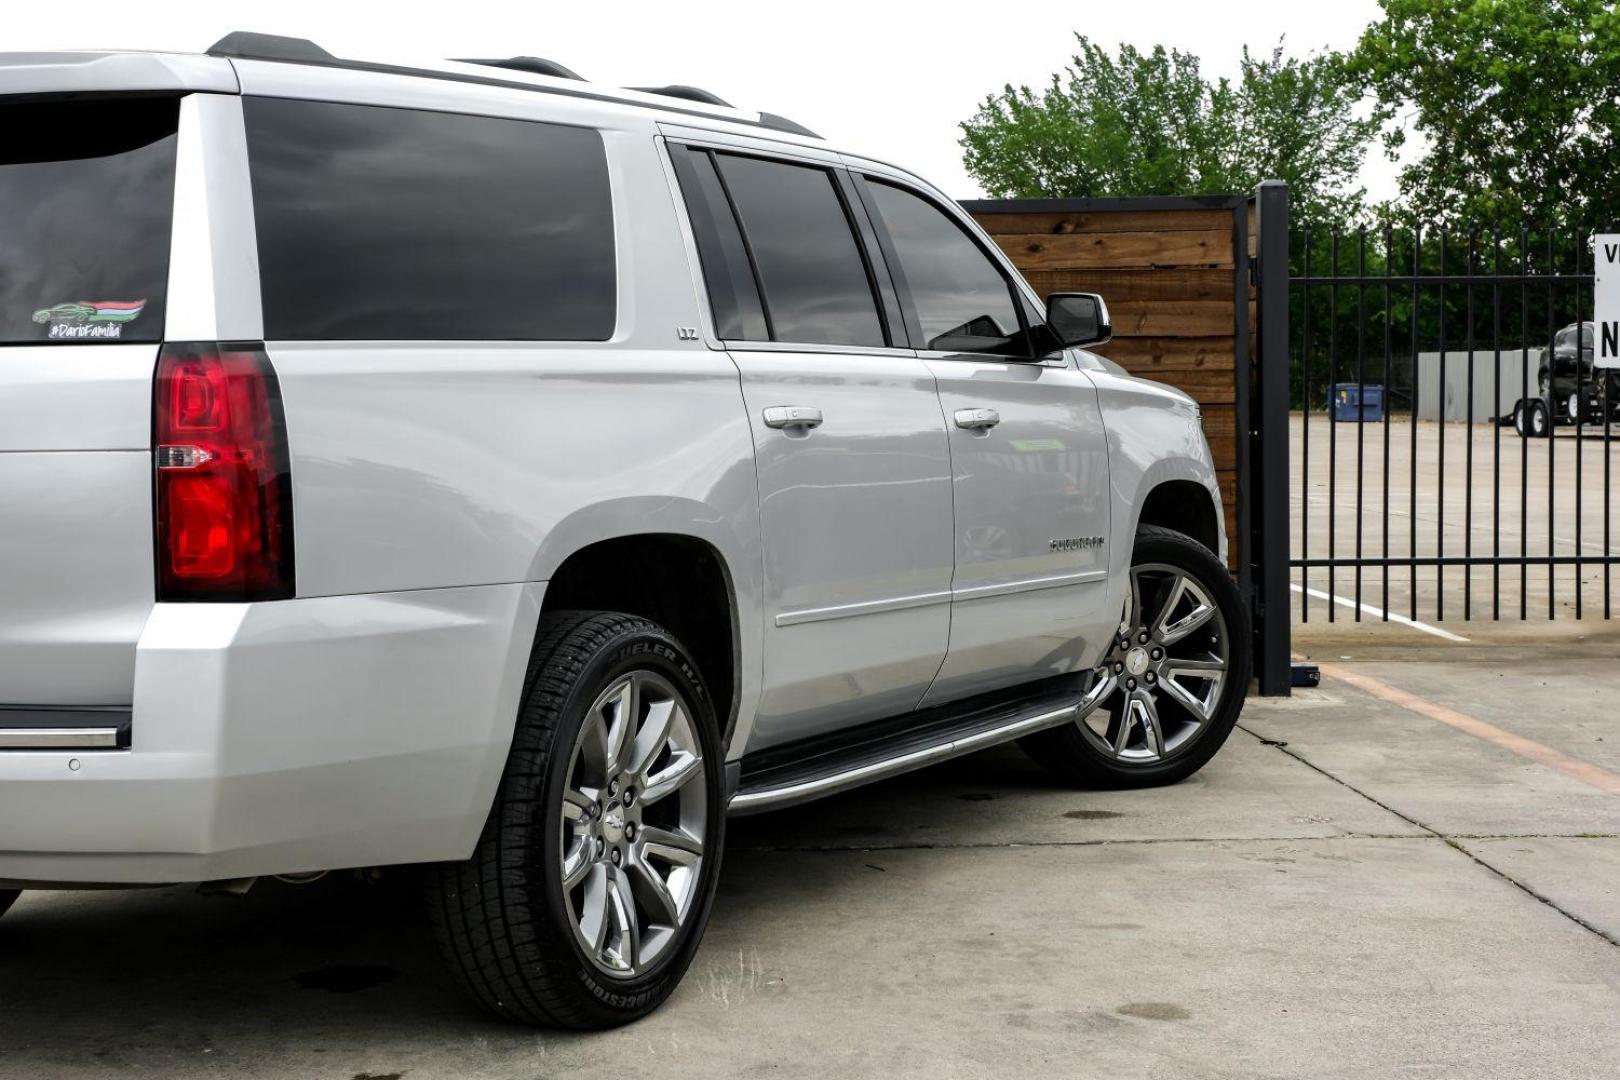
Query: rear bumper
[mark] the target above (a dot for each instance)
(285, 737)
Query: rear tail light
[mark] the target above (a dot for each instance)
(224, 487)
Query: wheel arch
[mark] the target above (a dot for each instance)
(1185, 505)
(681, 581)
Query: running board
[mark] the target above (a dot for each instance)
(936, 735)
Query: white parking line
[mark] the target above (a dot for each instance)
(1379, 613)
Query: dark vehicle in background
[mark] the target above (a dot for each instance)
(1571, 389)
(1576, 389)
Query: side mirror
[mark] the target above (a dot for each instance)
(1076, 320)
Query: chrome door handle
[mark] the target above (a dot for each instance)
(792, 416)
(977, 419)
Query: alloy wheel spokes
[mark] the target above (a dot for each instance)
(1138, 726)
(1186, 609)
(655, 894)
(1160, 680)
(674, 846)
(624, 952)
(633, 818)
(1195, 684)
(682, 768)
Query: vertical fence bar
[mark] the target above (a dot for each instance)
(1611, 379)
(1273, 667)
(1305, 432)
(1525, 424)
(1361, 398)
(1440, 450)
(1496, 426)
(1389, 260)
(1468, 430)
(1333, 416)
(1411, 487)
(1580, 411)
(1552, 427)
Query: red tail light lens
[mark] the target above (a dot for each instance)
(224, 486)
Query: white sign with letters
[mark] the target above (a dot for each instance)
(1606, 256)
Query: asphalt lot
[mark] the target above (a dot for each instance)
(1354, 888)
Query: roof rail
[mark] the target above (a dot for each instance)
(782, 123)
(246, 45)
(689, 93)
(534, 65)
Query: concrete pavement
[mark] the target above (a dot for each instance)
(1351, 889)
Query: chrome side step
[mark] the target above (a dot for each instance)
(782, 787)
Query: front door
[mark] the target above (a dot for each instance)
(1031, 522)
(1029, 459)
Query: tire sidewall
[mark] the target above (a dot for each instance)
(640, 647)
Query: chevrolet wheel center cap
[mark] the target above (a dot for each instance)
(613, 826)
(1136, 661)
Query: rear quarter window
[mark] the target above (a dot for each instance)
(86, 208)
(397, 224)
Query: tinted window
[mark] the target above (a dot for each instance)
(963, 302)
(398, 224)
(86, 201)
(816, 286)
(733, 293)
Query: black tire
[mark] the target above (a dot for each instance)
(500, 918)
(1534, 421)
(7, 898)
(1073, 758)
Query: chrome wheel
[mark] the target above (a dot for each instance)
(1160, 681)
(634, 815)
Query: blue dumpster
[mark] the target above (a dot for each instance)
(1353, 401)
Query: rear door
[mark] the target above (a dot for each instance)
(1029, 456)
(851, 453)
(86, 202)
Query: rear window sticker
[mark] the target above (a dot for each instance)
(91, 319)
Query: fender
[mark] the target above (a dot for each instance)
(1154, 437)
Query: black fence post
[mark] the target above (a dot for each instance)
(1269, 435)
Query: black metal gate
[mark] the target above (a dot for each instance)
(1452, 443)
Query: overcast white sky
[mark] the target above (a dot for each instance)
(891, 80)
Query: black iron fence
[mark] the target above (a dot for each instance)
(1452, 441)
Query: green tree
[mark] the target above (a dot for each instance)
(1150, 123)
(1516, 101)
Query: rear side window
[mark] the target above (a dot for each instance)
(727, 273)
(962, 300)
(817, 289)
(86, 206)
(397, 224)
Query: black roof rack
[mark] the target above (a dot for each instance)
(534, 65)
(689, 93)
(245, 45)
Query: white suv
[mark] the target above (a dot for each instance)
(474, 467)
